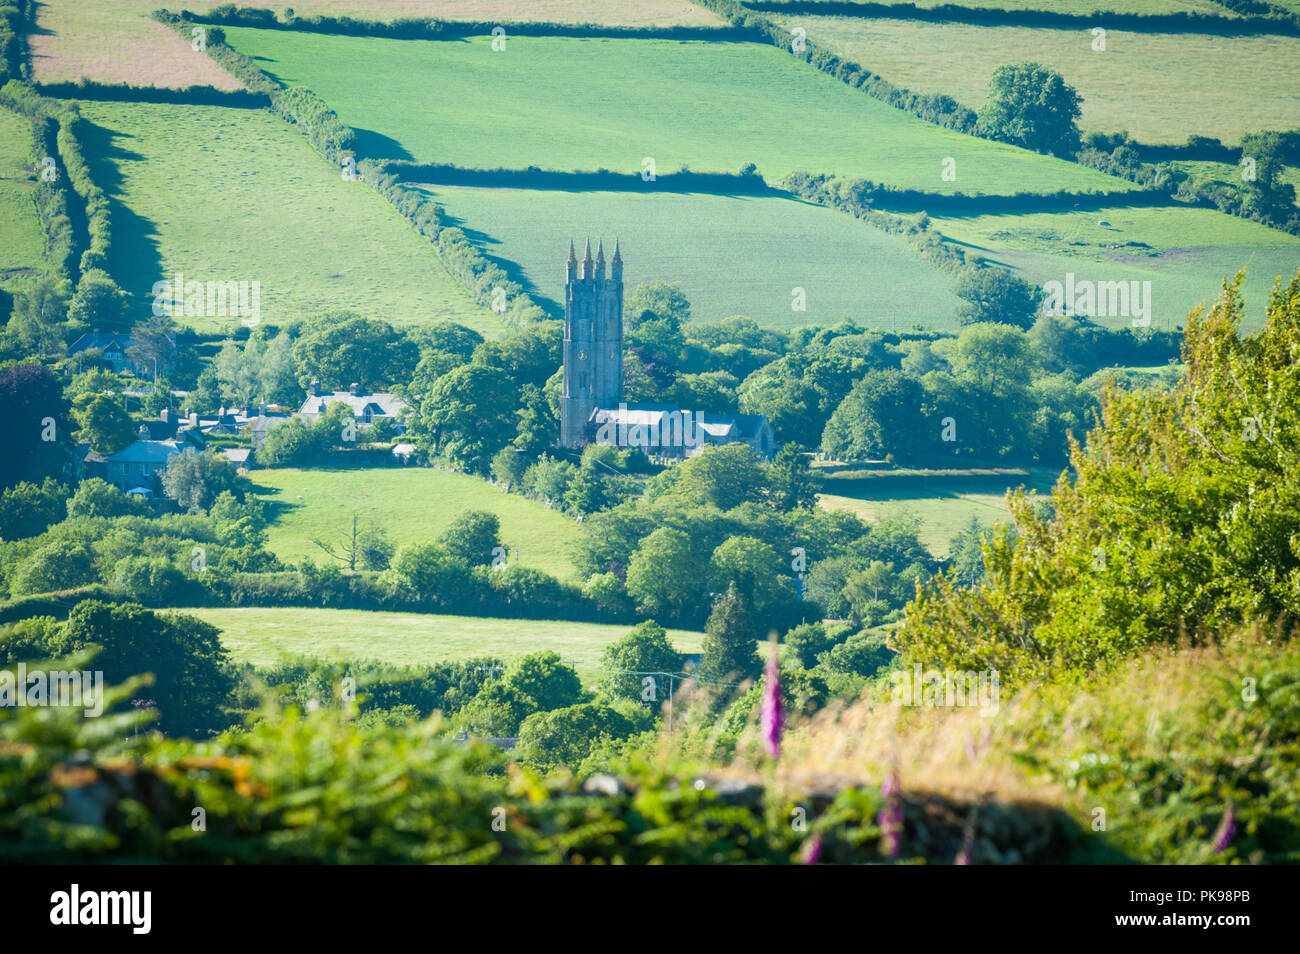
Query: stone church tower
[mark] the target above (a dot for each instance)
(593, 342)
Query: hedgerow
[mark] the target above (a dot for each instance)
(336, 141)
(85, 200)
(316, 788)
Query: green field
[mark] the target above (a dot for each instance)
(116, 41)
(22, 242)
(942, 502)
(1227, 173)
(1075, 6)
(731, 254)
(1161, 87)
(618, 12)
(224, 194)
(413, 504)
(1187, 253)
(264, 636)
(562, 103)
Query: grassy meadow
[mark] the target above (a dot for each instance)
(1148, 7)
(607, 12)
(264, 636)
(731, 254)
(942, 502)
(224, 194)
(1183, 252)
(1227, 173)
(612, 103)
(1161, 87)
(22, 241)
(413, 504)
(116, 41)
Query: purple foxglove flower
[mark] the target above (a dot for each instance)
(891, 816)
(1227, 828)
(772, 715)
(812, 850)
(889, 786)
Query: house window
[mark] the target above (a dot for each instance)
(145, 469)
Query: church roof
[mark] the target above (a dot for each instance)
(743, 426)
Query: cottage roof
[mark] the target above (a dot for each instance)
(381, 403)
(145, 452)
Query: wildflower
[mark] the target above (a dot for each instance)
(891, 816)
(812, 850)
(771, 722)
(1227, 828)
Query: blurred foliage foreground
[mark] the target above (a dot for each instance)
(1189, 767)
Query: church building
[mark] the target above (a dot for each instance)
(592, 408)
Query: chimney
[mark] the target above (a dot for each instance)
(164, 414)
(313, 389)
(355, 388)
(194, 418)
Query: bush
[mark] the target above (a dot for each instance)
(862, 654)
(27, 509)
(1181, 519)
(98, 498)
(636, 666)
(474, 537)
(567, 736)
(57, 565)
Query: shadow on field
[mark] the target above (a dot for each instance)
(134, 257)
(373, 145)
(276, 505)
(884, 485)
(514, 271)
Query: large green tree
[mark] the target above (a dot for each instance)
(1268, 194)
(104, 423)
(1031, 106)
(467, 416)
(791, 483)
(664, 575)
(643, 654)
(997, 295)
(35, 431)
(193, 679)
(195, 479)
(730, 640)
(341, 349)
(1182, 519)
(547, 680)
(881, 416)
(473, 536)
(753, 567)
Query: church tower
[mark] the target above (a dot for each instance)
(593, 341)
